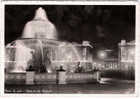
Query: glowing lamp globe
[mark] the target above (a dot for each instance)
(102, 54)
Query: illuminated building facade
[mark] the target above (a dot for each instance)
(127, 51)
(127, 57)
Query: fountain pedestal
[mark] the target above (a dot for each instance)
(61, 77)
(98, 75)
(30, 77)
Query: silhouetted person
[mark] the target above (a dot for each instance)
(61, 68)
(30, 68)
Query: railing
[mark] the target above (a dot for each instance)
(51, 78)
(125, 70)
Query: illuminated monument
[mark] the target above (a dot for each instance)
(40, 48)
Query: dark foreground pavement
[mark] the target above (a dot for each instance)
(106, 86)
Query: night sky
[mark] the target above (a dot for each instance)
(102, 25)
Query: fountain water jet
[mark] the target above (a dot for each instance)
(22, 56)
(40, 27)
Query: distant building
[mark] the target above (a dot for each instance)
(126, 57)
(127, 51)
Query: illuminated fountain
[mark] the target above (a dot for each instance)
(38, 28)
(39, 46)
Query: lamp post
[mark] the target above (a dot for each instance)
(85, 44)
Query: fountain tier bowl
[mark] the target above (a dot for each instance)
(46, 55)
